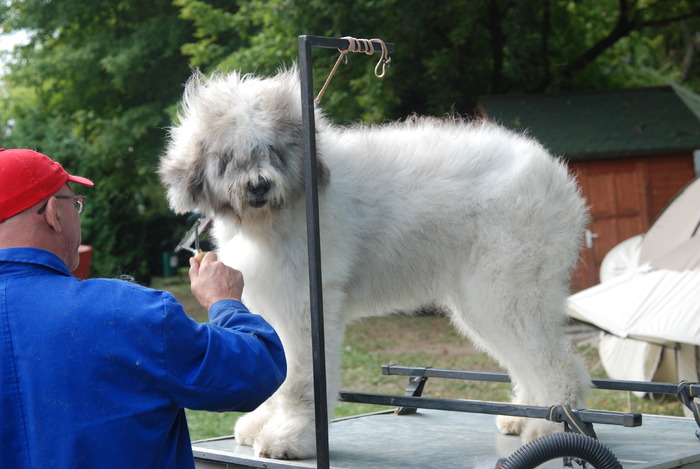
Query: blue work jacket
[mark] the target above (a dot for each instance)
(97, 373)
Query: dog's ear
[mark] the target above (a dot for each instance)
(195, 177)
(289, 123)
(184, 180)
(323, 174)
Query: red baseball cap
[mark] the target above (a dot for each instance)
(27, 177)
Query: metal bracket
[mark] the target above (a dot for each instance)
(414, 388)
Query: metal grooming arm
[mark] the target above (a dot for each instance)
(686, 392)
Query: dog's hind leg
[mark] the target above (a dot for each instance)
(522, 326)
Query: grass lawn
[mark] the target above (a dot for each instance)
(412, 341)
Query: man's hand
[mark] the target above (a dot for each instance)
(211, 280)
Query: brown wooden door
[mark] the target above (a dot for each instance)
(618, 201)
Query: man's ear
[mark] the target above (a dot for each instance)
(51, 215)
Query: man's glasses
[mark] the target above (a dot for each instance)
(79, 202)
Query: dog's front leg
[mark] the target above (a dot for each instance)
(284, 427)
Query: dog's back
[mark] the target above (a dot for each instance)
(435, 187)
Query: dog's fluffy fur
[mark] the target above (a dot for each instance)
(466, 216)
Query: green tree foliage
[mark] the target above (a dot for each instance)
(92, 89)
(100, 81)
(448, 53)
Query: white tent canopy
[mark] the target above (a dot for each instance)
(655, 305)
(650, 294)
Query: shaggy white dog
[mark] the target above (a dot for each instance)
(466, 216)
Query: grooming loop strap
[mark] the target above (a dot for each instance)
(359, 45)
(572, 421)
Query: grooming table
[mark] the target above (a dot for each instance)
(446, 439)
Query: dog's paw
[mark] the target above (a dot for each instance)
(249, 426)
(528, 429)
(286, 437)
(537, 428)
(510, 425)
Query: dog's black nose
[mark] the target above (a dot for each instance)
(259, 188)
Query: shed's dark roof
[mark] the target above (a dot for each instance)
(645, 121)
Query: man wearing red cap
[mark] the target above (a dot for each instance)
(97, 373)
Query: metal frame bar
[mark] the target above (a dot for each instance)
(687, 393)
(609, 384)
(306, 44)
(625, 419)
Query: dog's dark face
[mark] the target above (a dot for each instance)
(237, 151)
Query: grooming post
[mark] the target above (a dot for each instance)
(314, 247)
(306, 43)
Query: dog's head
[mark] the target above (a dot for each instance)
(237, 151)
